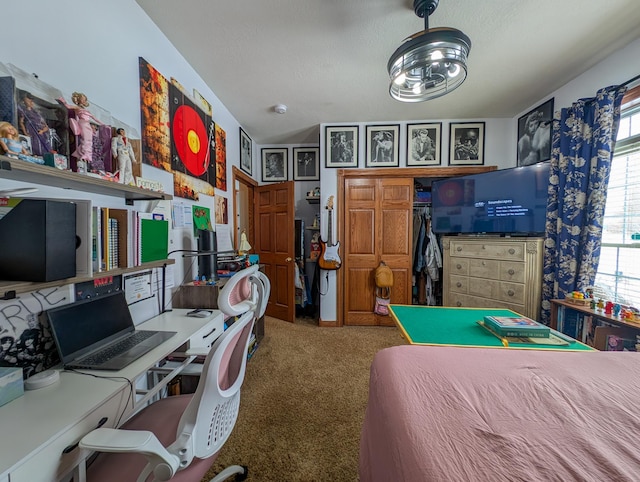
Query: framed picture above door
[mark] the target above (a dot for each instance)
(466, 144)
(306, 165)
(383, 146)
(341, 146)
(274, 165)
(423, 144)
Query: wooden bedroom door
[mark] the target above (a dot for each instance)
(377, 227)
(274, 214)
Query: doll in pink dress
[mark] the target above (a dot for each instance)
(81, 127)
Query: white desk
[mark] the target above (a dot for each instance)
(38, 426)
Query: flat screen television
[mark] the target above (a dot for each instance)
(510, 202)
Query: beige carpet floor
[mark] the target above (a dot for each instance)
(303, 402)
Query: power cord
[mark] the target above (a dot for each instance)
(129, 398)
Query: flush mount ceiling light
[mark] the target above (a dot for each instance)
(430, 63)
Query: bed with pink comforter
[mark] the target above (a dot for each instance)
(473, 414)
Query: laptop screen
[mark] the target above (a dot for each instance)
(84, 325)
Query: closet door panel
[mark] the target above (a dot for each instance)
(378, 227)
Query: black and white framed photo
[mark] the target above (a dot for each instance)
(246, 152)
(466, 144)
(26, 143)
(383, 146)
(341, 146)
(534, 135)
(274, 164)
(423, 144)
(305, 164)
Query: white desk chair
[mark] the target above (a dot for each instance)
(193, 428)
(247, 290)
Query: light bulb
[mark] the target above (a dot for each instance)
(454, 70)
(436, 55)
(400, 79)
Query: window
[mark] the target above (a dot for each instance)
(618, 276)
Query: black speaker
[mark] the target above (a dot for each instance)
(207, 263)
(38, 241)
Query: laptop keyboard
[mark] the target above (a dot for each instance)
(116, 349)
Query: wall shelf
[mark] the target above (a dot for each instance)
(26, 286)
(313, 199)
(17, 170)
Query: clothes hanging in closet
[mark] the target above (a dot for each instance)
(427, 257)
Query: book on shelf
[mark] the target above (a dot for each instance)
(518, 326)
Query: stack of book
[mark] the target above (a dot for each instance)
(516, 326)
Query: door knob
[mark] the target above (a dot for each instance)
(288, 260)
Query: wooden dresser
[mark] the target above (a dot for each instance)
(493, 272)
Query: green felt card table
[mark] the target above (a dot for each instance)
(436, 325)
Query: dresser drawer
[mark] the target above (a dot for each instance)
(512, 292)
(51, 463)
(484, 288)
(512, 271)
(459, 284)
(460, 300)
(484, 268)
(509, 250)
(459, 266)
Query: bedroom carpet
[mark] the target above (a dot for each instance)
(303, 402)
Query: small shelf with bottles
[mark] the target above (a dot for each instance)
(313, 199)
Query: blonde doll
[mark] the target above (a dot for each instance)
(11, 146)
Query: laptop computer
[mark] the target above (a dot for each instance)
(99, 333)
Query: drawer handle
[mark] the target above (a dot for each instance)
(459, 248)
(458, 284)
(511, 292)
(72, 447)
(458, 303)
(512, 251)
(511, 272)
(204, 337)
(458, 266)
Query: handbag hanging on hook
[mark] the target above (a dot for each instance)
(384, 282)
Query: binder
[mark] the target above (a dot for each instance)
(154, 240)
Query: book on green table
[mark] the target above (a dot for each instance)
(552, 339)
(518, 326)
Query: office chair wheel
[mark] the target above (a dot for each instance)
(245, 474)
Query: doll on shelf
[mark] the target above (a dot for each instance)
(10, 144)
(122, 150)
(81, 126)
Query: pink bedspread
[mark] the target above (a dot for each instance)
(473, 414)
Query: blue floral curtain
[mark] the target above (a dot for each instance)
(581, 151)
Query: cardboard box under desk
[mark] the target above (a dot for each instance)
(38, 241)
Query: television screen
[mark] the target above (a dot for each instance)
(508, 202)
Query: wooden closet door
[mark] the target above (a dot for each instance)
(378, 225)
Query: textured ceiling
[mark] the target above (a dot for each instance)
(327, 59)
